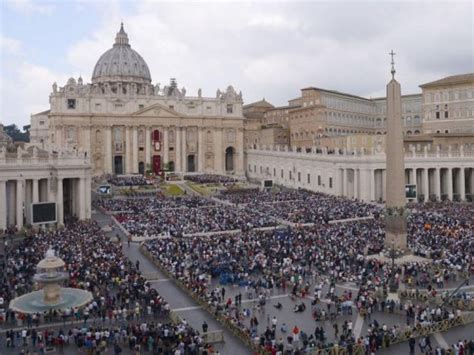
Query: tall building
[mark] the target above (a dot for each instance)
(128, 125)
(448, 105)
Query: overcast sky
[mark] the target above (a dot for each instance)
(266, 49)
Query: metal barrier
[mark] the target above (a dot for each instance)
(214, 336)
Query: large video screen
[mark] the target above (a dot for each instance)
(410, 191)
(267, 183)
(44, 212)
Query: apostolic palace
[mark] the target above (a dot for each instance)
(323, 140)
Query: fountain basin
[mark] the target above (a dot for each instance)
(33, 302)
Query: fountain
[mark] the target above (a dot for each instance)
(50, 275)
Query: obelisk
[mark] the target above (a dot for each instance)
(395, 213)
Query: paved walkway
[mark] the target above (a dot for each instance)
(183, 305)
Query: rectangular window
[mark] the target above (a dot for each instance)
(171, 149)
(98, 107)
(71, 104)
(171, 107)
(41, 123)
(141, 149)
(255, 168)
(261, 170)
(330, 182)
(274, 171)
(319, 180)
(289, 174)
(282, 173)
(140, 107)
(437, 115)
(445, 114)
(250, 168)
(299, 177)
(309, 178)
(230, 108)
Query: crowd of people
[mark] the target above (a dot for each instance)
(136, 338)
(294, 259)
(301, 206)
(152, 204)
(181, 221)
(120, 292)
(210, 179)
(131, 180)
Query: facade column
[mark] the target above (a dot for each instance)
(128, 151)
(200, 150)
(147, 149)
(437, 183)
(20, 196)
(218, 152)
(462, 184)
(426, 184)
(60, 202)
(239, 169)
(86, 143)
(135, 150)
(177, 153)
(3, 205)
(184, 160)
(165, 148)
(88, 186)
(449, 181)
(108, 151)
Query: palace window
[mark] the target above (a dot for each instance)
(330, 182)
(309, 178)
(230, 108)
(71, 104)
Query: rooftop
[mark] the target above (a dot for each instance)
(451, 80)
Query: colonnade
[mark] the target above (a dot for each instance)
(432, 183)
(72, 197)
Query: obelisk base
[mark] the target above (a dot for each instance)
(395, 233)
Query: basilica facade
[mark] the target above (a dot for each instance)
(127, 125)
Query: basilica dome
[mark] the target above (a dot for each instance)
(121, 63)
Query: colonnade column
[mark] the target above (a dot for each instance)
(82, 198)
(177, 152)
(20, 197)
(462, 182)
(147, 148)
(411, 176)
(426, 184)
(35, 196)
(437, 184)
(60, 202)
(449, 178)
(135, 150)
(372, 184)
(200, 167)
(344, 182)
(384, 184)
(108, 151)
(3, 204)
(88, 197)
(356, 183)
(166, 148)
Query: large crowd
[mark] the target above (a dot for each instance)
(181, 221)
(210, 179)
(152, 204)
(296, 259)
(131, 180)
(301, 206)
(94, 263)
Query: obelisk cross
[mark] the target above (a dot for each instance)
(393, 64)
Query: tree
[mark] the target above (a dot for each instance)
(14, 132)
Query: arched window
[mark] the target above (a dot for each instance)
(156, 135)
